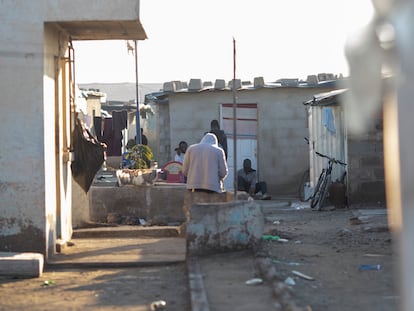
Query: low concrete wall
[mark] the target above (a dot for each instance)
(223, 226)
(158, 204)
(114, 162)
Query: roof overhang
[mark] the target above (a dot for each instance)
(103, 30)
(326, 99)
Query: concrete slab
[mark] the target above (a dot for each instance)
(21, 264)
(127, 232)
(121, 246)
(120, 252)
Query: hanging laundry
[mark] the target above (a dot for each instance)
(328, 119)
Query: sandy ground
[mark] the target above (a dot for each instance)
(325, 246)
(331, 247)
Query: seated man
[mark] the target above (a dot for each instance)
(180, 151)
(247, 181)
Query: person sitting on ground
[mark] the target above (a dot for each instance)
(180, 151)
(247, 181)
(221, 136)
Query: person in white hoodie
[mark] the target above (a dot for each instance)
(205, 166)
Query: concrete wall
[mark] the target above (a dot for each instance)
(35, 178)
(159, 205)
(22, 121)
(282, 153)
(366, 180)
(80, 206)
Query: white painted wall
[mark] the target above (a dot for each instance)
(31, 133)
(22, 156)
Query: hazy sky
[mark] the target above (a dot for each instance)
(194, 39)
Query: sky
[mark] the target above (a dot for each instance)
(188, 39)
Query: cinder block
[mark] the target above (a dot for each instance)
(21, 264)
(258, 82)
(169, 86)
(219, 84)
(237, 84)
(195, 85)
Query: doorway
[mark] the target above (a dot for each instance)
(246, 137)
(64, 103)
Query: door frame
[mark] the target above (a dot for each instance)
(247, 127)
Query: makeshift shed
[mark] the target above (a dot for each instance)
(363, 153)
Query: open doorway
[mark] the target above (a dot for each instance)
(246, 141)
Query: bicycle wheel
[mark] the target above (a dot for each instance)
(301, 190)
(317, 192)
(324, 191)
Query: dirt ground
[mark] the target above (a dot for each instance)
(325, 245)
(330, 248)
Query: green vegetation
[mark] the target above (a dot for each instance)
(141, 157)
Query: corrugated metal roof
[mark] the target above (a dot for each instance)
(325, 99)
(123, 92)
(171, 88)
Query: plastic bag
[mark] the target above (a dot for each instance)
(89, 156)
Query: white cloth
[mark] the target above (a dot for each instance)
(179, 158)
(328, 120)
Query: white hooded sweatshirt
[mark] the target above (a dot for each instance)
(205, 165)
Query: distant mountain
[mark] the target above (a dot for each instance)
(123, 92)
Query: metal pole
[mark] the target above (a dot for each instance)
(234, 121)
(137, 119)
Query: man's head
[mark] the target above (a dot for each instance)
(214, 125)
(182, 146)
(210, 139)
(247, 164)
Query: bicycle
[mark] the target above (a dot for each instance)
(322, 186)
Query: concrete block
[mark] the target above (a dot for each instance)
(21, 264)
(312, 79)
(258, 82)
(195, 85)
(236, 82)
(227, 226)
(178, 85)
(219, 84)
(372, 161)
(169, 87)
